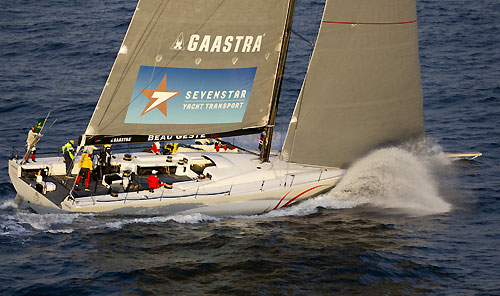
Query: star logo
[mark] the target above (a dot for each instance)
(158, 97)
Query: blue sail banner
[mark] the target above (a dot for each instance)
(164, 95)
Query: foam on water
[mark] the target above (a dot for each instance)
(48, 221)
(24, 223)
(187, 219)
(8, 204)
(66, 231)
(12, 227)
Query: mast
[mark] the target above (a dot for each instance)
(269, 129)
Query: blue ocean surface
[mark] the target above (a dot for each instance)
(401, 222)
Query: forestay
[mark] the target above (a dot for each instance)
(362, 89)
(187, 68)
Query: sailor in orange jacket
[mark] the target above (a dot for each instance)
(85, 165)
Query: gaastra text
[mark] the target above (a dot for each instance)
(208, 43)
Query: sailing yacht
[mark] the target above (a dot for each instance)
(198, 69)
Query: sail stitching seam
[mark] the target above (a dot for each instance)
(358, 23)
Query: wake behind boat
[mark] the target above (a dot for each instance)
(209, 69)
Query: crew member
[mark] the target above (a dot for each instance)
(261, 139)
(95, 154)
(129, 182)
(154, 181)
(107, 154)
(31, 141)
(155, 148)
(40, 184)
(105, 159)
(85, 165)
(92, 150)
(170, 148)
(68, 150)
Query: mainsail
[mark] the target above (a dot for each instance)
(362, 89)
(188, 68)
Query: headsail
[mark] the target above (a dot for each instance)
(362, 88)
(192, 67)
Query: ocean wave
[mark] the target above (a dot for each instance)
(183, 219)
(45, 222)
(8, 205)
(23, 223)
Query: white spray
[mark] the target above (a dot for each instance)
(404, 178)
(393, 178)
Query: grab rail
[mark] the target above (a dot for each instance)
(198, 193)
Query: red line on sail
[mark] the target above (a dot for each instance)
(297, 196)
(281, 200)
(357, 23)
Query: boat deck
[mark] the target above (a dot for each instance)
(196, 178)
(64, 185)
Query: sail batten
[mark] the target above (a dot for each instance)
(362, 89)
(193, 67)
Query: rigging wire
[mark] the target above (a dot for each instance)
(72, 67)
(316, 11)
(303, 38)
(298, 105)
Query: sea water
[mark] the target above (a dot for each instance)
(404, 220)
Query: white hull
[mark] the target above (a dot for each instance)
(240, 185)
(35, 200)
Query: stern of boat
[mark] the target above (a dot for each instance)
(32, 198)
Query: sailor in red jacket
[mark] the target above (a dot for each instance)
(154, 181)
(155, 148)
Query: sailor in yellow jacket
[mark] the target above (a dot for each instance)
(68, 150)
(85, 165)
